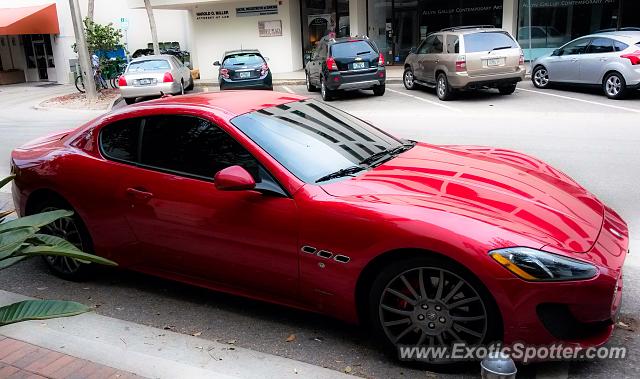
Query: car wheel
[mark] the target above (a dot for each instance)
(540, 77)
(191, 85)
(73, 230)
(508, 90)
(327, 94)
(443, 89)
(181, 87)
(310, 87)
(432, 302)
(378, 90)
(129, 100)
(408, 79)
(614, 86)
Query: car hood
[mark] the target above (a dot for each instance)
(504, 188)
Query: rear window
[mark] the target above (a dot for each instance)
(487, 41)
(243, 60)
(351, 49)
(149, 65)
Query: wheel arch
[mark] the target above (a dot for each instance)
(377, 264)
(41, 195)
(611, 71)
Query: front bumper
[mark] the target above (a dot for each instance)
(350, 80)
(131, 92)
(580, 313)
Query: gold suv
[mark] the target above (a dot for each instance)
(466, 58)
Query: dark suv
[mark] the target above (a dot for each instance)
(345, 64)
(244, 69)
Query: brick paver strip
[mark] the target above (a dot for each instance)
(22, 360)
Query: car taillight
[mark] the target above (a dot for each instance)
(167, 78)
(264, 69)
(225, 73)
(633, 57)
(122, 82)
(331, 64)
(380, 60)
(461, 64)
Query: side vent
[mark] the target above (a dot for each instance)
(308, 249)
(324, 254)
(341, 259)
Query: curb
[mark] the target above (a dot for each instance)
(45, 108)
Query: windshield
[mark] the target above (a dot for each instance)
(351, 49)
(312, 139)
(149, 65)
(487, 41)
(243, 60)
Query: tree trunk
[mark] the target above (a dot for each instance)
(152, 26)
(83, 54)
(90, 7)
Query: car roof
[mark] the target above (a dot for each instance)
(232, 103)
(152, 57)
(241, 51)
(623, 34)
(470, 29)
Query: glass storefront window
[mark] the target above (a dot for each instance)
(321, 18)
(544, 25)
(379, 26)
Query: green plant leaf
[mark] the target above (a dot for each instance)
(45, 239)
(6, 180)
(12, 240)
(74, 253)
(10, 261)
(37, 220)
(39, 310)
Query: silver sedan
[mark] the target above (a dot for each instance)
(154, 75)
(610, 60)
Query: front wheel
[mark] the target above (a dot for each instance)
(540, 77)
(429, 301)
(80, 84)
(443, 89)
(408, 79)
(614, 86)
(379, 90)
(508, 90)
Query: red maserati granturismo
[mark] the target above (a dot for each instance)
(288, 200)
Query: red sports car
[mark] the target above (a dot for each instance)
(286, 199)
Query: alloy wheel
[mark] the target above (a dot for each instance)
(67, 229)
(613, 86)
(308, 83)
(541, 77)
(408, 79)
(323, 89)
(181, 88)
(442, 86)
(432, 306)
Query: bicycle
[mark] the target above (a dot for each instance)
(97, 77)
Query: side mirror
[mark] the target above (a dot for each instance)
(556, 52)
(216, 63)
(412, 50)
(234, 178)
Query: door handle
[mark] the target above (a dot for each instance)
(140, 194)
(574, 60)
(604, 59)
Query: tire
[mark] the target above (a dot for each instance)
(378, 90)
(327, 94)
(129, 100)
(443, 89)
(435, 317)
(540, 77)
(408, 79)
(181, 92)
(614, 86)
(310, 87)
(508, 90)
(80, 84)
(190, 86)
(73, 230)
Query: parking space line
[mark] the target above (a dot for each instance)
(582, 100)
(288, 89)
(425, 100)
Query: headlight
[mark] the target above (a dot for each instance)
(535, 265)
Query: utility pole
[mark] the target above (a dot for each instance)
(152, 26)
(86, 69)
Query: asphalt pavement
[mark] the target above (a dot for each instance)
(591, 138)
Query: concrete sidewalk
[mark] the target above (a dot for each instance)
(129, 348)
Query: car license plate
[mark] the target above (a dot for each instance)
(245, 75)
(145, 82)
(357, 66)
(494, 62)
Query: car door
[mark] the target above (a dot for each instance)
(421, 59)
(594, 61)
(433, 56)
(188, 228)
(565, 65)
(315, 65)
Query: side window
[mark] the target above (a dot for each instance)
(453, 44)
(119, 141)
(193, 146)
(576, 47)
(426, 45)
(620, 46)
(600, 46)
(438, 45)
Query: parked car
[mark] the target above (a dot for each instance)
(345, 64)
(154, 75)
(244, 69)
(609, 60)
(466, 58)
(277, 197)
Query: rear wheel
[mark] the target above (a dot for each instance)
(327, 94)
(379, 90)
(540, 77)
(129, 100)
(310, 87)
(80, 84)
(614, 86)
(71, 229)
(432, 302)
(508, 90)
(181, 88)
(443, 89)
(190, 86)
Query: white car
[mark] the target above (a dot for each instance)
(154, 75)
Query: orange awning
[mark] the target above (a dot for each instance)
(39, 19)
